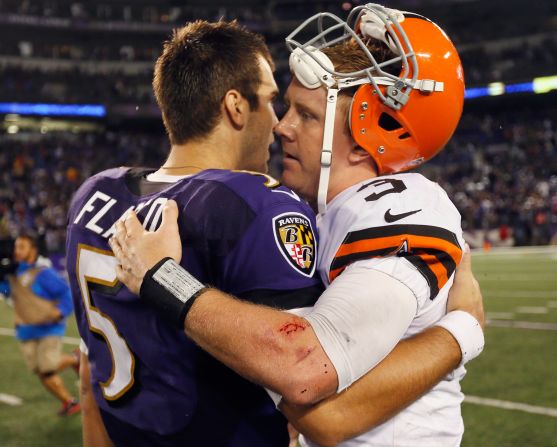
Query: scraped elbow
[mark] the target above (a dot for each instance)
(307, 373)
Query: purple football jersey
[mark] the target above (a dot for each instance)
(241, 232)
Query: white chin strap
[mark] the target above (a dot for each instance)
(313, 71)
(327, 149)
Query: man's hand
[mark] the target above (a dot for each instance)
(137, 250)
(465, 292)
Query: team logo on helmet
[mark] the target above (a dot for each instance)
(296, 241)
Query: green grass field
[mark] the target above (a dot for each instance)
(519, 365)
(34, 423)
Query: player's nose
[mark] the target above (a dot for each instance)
(284, 128)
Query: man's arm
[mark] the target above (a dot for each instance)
(270, 347)
(94, 431)
(275, 349)
(408, 372)
(282, 351)
(312, 357)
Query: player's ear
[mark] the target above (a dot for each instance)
(236, 108)
(358, 155)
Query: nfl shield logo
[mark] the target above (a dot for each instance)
(295, 238)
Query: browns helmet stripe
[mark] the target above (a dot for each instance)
(434, 251)
(435, 266)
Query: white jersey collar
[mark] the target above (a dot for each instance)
(165, 178)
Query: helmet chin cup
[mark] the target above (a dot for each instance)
(311, 67)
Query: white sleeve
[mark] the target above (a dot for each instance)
(360, 318)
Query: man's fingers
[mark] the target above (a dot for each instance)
(133, 226)
(126, 277)
(120, 234)
(116, 249)
(120, 273)
(466, 262)
(169, 217)
(118, 242)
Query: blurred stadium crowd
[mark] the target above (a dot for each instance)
(501, 173)
(500, 169)
(40, 175)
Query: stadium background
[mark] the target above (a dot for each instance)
(75, 98)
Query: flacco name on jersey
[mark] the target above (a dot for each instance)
(295, 238)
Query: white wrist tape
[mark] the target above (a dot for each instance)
(171, 290)
(178, 281)
(467, 331)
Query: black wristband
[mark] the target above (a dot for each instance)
(171, 290)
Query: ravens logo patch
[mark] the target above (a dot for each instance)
(296, 240)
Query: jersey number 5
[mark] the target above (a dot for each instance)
(95, 266)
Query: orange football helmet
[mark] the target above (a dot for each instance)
(421, 127)
(401, 120)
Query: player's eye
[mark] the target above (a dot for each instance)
(306, 116)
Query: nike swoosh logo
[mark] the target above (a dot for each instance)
(394, 217)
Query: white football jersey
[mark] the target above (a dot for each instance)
(405, 226)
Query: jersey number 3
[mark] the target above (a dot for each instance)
(395, 187)
(95, 266)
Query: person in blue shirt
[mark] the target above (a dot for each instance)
(42, 302)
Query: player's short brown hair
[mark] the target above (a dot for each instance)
(348, 57)
(198, 65)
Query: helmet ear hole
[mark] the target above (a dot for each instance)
(387, 122)
(404, 136)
